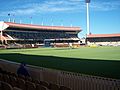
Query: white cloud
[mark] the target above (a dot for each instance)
(105, 6)
(62, 6)
(77, 0)
(47, 6)
(58, 6)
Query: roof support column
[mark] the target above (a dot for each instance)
(3, 26)
(1, 36)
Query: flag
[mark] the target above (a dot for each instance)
(8, 14)
(87, 1)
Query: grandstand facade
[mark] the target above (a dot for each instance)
(104, 39)
(32, 34)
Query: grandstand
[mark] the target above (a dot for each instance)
(104, 39)
(38, 34)
(54, 72)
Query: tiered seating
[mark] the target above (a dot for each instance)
(12, 81)
(15, 88)
(40, 35)
(5, 86)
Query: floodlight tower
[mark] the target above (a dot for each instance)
(88, 16)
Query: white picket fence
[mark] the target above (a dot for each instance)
(87, 82)
(75, 81)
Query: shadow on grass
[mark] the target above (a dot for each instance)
(104, 68)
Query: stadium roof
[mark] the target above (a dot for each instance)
(40, 27)
(103, 35)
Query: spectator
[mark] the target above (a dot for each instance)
(22, 70)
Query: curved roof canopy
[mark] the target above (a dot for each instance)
(103, 35)
(40, 27)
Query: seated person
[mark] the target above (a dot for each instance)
(22, 70)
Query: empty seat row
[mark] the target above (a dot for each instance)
(27, 83)
(12, 81)
(7, 86)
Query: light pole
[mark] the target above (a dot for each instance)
(31, 20)
(9, 17)
(88, 16)
(52, 22)
(13, 18)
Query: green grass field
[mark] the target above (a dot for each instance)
(100, 61)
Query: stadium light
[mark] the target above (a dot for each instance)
(61, 22)
(87, 1)
(20, 21)
(52, 22)
(9, 17)
(88, 16)
(42, 23)
(71, 25)
(13, 18)
(31, 20)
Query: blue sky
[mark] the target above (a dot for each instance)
(104, 14)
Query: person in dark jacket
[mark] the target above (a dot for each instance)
(22, 70)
